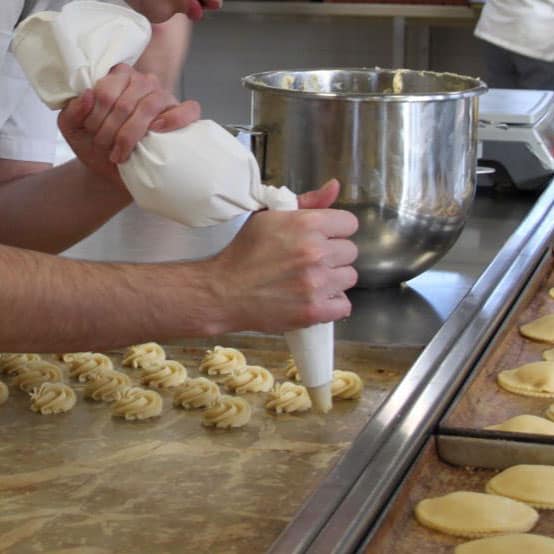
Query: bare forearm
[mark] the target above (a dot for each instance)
(52, 210)
(52, 304)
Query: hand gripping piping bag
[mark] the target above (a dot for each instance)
(199, 175)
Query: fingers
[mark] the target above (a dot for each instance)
(320, 198)
(177, 117)
(330, 223)
(341, 252)
(76, 111)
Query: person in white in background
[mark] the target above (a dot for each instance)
(284, 270)
(518, 43)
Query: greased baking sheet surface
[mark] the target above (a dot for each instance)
(85, 482)
(400, 533)
(484, 402)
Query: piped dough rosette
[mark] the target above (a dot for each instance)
(288, 397)
(197, 393)
(549, 413)
(32, 374)
(346, 385)
(10, 363)
(72, 356)
(164, 374)
(291, 371)
(253, 379)
(53, 398)
(229, 411)
(141, 355)
(221, 362)
(89, 365)
(4, 392)
(107, 386)
(137, 403)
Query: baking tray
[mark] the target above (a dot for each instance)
(461, 438)
(399, 532)
(89, 483)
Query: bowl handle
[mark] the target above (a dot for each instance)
(253, 139)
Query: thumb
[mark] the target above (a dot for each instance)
(75, 112)
(320, 198)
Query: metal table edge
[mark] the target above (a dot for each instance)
(338, 514)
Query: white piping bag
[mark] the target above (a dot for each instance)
(199, 175)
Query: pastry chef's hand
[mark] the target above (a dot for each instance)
(103, 125)
(289, 269)
(161, 10)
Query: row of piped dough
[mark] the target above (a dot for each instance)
(104, 383)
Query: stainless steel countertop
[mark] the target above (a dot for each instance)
(413, 313)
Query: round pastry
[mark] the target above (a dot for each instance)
(107, 386)
(548, 355)
(291, 371)
(197, 393)
(254, 379)
(164, 374)
(4, 392)
(32, 374)
(140, 355)
(532, 484)
(229, 411)
(346, 385)
(475, 514)
(514, 543)
(136, 403)
(288, 397)
(533, 379)
(525, 424)
(87, 366)
(53, 398)
(221, 362)
(10, 363)
(541, 329)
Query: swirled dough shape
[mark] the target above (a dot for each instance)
(10, 363)
(475, 514)
(197, 393)
(163, 375)
(548, 355)
(541, 329)
(32, 374)
(288, 397)
(532, 484)
(72, 356)
(89, 365)
(53, 398)
(140, 355)
(525, 424)
(4, 392)
(514, 543)
(291, 371)
(229, 411)
(549, 413)
(534, 379)
(107, 386)
(551, 292)
(254, 379)
(136, 403)
(221, 362)
(346, 385)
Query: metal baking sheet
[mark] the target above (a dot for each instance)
(89, 483)
(462, 438)
(399, 532)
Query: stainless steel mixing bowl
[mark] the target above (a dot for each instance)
(403, 144)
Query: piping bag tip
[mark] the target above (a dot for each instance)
(313, 351)
(321, 397)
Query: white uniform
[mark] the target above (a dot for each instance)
(525, 27)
